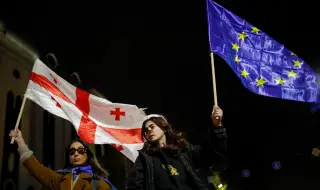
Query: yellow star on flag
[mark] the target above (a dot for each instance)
(261, 82)
(236, 59)
(297, 63)
(293, 53)
(292, 74)
(255, 30)
(242, 36)
(244, 73)
(280, 81)
(235, 47)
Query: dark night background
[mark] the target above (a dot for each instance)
(155, 54)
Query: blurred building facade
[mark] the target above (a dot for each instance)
(45, 134)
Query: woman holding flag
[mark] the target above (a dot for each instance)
(82, 170)
(168, 161)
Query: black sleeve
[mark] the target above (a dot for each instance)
(214, 147)
(136, 176)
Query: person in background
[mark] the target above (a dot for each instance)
(168, 161)
(82, 170)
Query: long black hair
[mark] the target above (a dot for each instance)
(91, 160)
(175, 140)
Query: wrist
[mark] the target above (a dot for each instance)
(21, 143)
(217, 123)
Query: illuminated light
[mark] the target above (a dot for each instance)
(316, 152)
(220, 186)
(245, 173)
(276, 165)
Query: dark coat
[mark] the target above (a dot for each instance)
(193, 158)
(50, 179)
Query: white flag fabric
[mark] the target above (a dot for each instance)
(96, 120)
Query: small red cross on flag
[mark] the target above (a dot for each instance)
(117, 113)
(54, 79)
(58, 105)
(119, 148)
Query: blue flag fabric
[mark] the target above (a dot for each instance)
(264, 66)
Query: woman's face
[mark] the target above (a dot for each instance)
(77, 154)
(153, 132)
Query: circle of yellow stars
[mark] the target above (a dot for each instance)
(242, 36)
(261, 81)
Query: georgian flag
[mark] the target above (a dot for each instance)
(96, 120)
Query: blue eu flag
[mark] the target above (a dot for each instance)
(264, 66)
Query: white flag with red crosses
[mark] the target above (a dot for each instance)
(96, 120)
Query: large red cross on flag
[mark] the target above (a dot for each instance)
(96, 120)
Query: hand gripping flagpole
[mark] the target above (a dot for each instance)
(19, 117)
(215, 96)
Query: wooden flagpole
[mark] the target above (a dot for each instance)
(19, 117)
(215, 95)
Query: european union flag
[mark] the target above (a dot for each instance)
(264, 66)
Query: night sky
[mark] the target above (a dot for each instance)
(155, 54)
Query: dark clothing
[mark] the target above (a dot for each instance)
(169, 172)
(147, 173)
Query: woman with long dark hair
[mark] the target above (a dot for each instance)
(82, 170)
(168, 162)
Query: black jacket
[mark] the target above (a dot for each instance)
(193, 158)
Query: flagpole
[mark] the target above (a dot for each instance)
(19, 117)
(215, 95)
